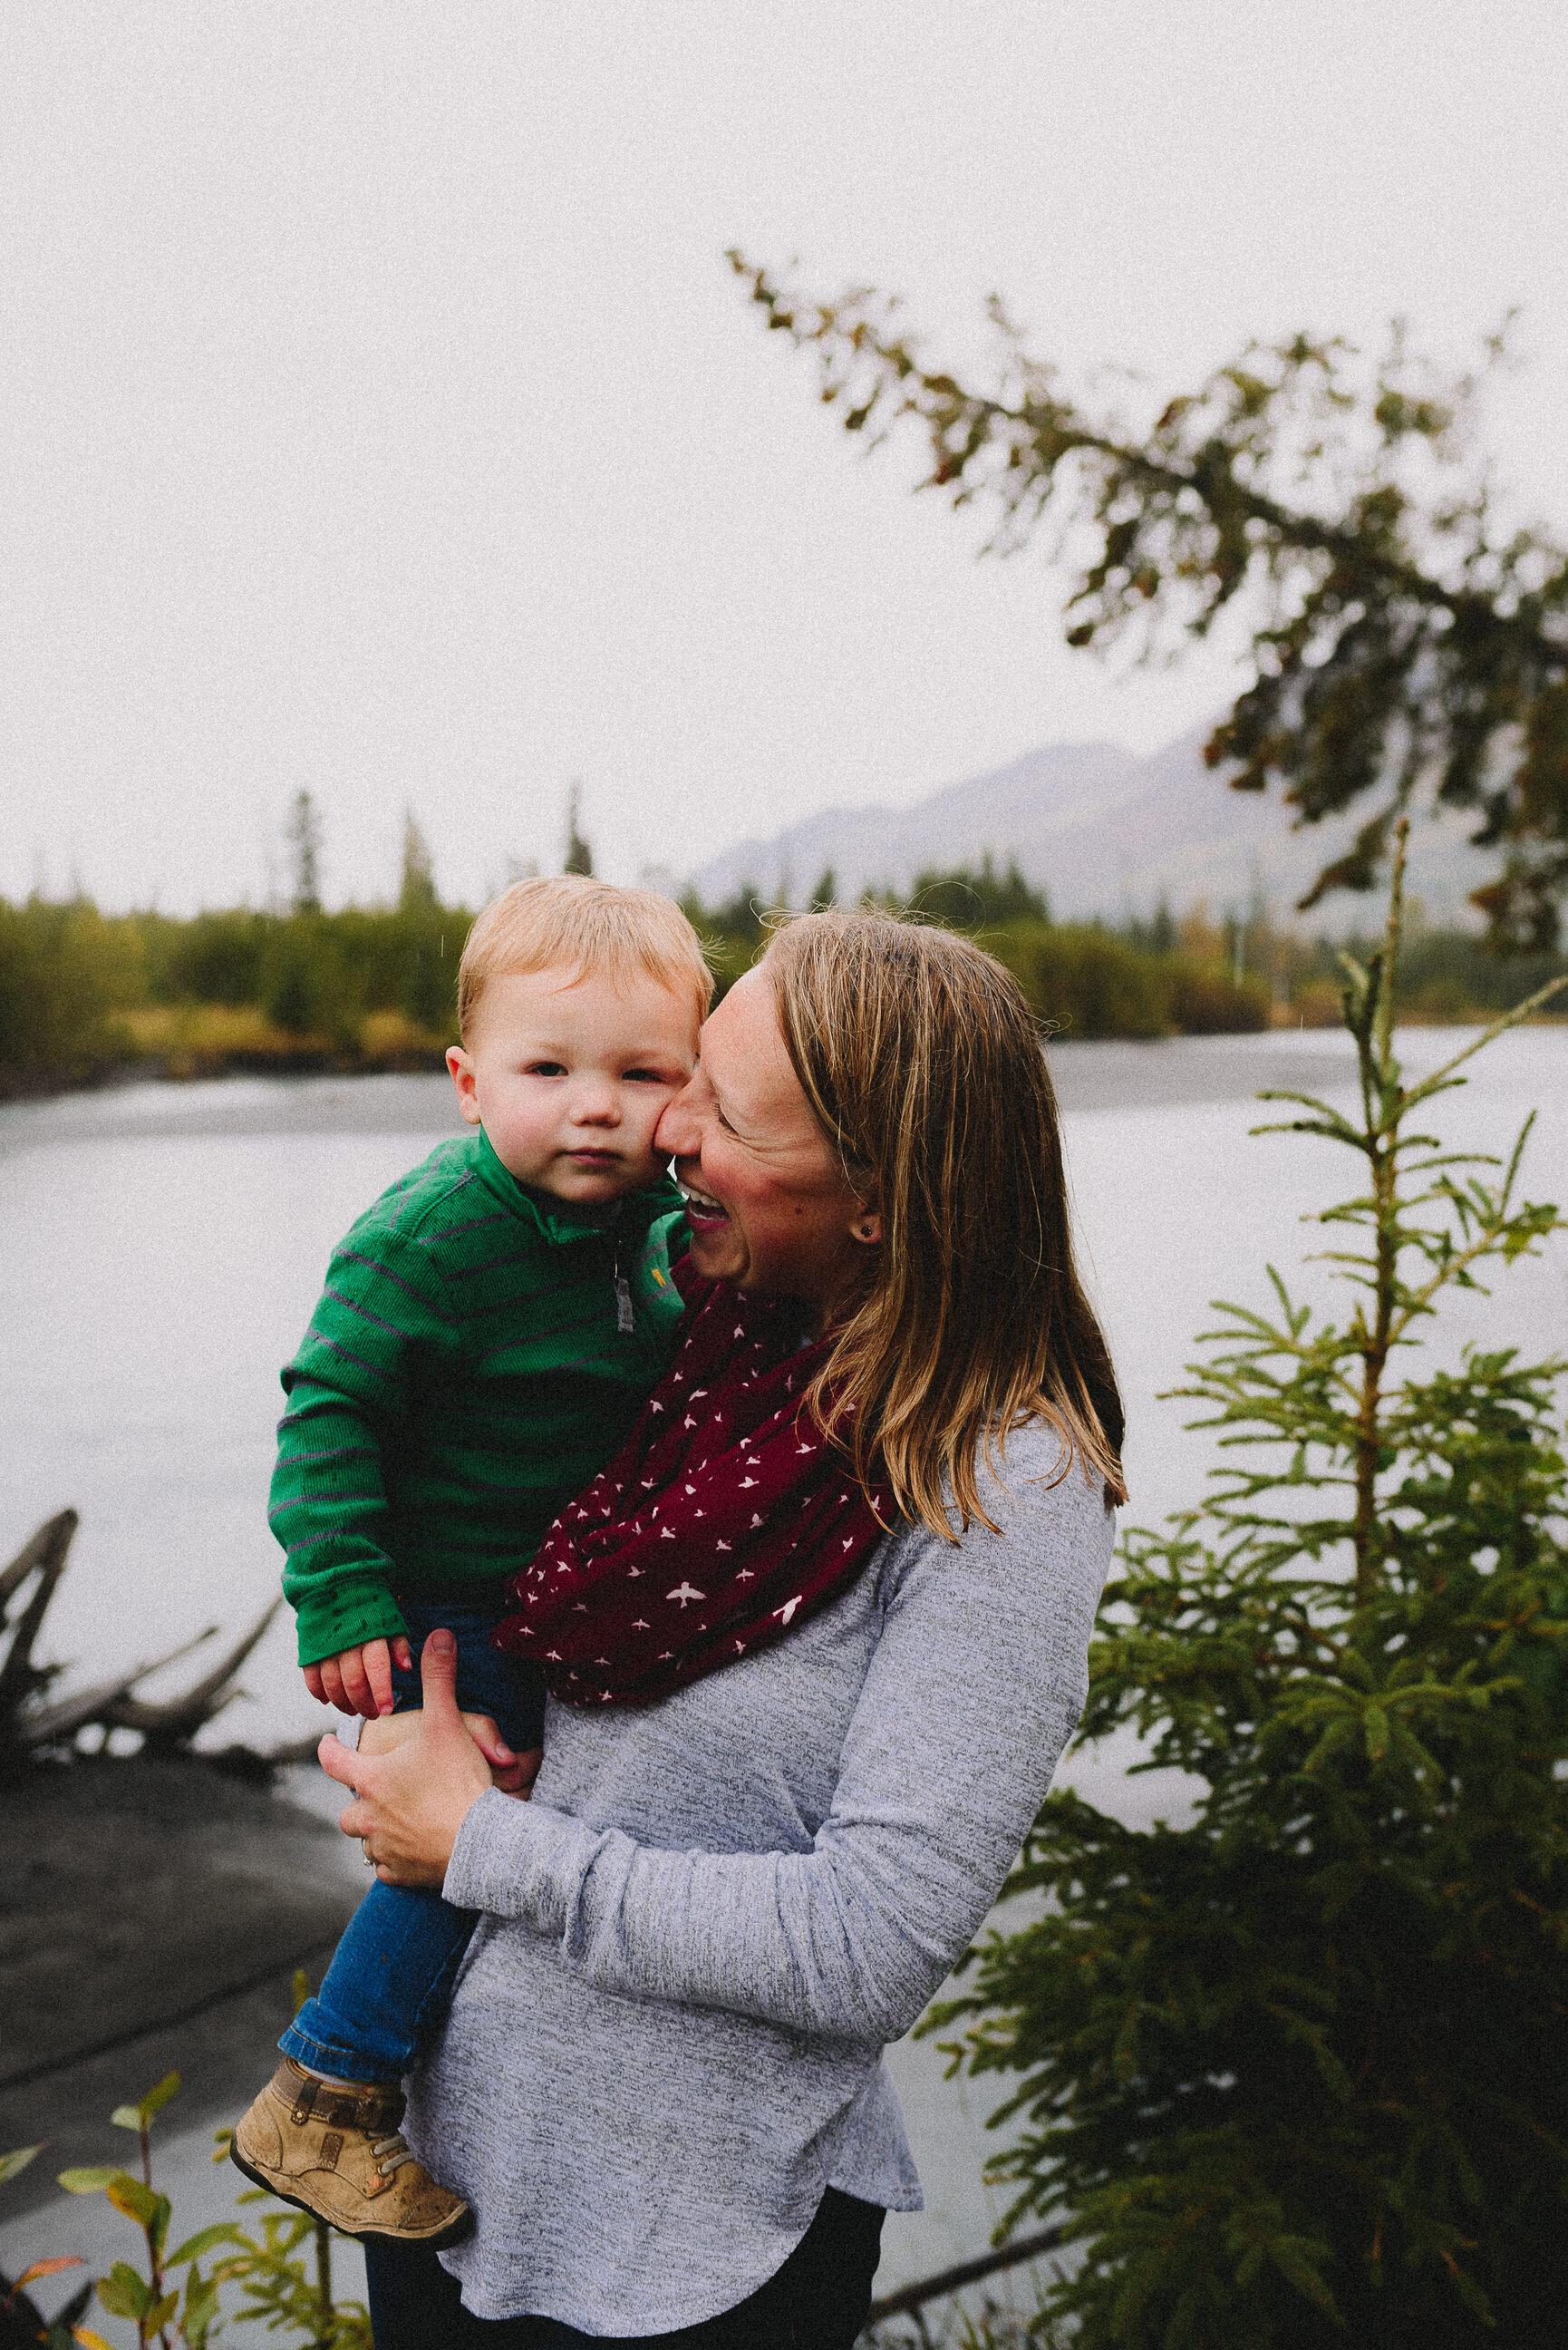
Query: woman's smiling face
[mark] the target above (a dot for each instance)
(767, 1201)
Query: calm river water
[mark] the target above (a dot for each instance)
(161, 1248)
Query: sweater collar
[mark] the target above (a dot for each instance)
(561, 1220)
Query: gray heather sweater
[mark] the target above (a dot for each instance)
(698, 1937)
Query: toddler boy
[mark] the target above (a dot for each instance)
(488, 1332)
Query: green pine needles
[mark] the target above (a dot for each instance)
(1297, 2073)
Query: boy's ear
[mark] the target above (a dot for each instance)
(462, 1070)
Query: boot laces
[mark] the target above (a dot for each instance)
(390, 2153)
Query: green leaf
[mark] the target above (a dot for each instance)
(18, 2159)
(222, 2231)
(201, 2309)
(156, 2099)
(124, 2293)
(129, 2195)
(138, 2116)
(89, 2180)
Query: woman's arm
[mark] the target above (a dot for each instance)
(973, 1690)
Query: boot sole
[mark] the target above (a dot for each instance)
(440, 2241)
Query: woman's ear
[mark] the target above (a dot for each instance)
(866, 1227)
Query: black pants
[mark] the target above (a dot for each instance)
(817, 2301)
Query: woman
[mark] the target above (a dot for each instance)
(800, 1747)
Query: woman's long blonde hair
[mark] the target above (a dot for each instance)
(921, 1058)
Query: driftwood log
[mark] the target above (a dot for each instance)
(32, 1720)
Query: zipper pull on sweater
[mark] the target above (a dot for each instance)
(625, 1319)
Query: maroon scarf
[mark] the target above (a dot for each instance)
(724, 1523)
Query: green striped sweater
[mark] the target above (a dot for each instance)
(464, 1375)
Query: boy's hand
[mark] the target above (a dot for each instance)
(359, 1680)
(513, 1774)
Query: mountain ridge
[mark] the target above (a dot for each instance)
(1104, 832)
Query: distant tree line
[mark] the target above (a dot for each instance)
(373, 987)
(83, 991)
(1159, 975)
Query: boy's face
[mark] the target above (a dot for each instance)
(568, 1078)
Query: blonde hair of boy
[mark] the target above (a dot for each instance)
(569, 921)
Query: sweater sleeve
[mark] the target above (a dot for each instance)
(975, 1686)
(348, 1390)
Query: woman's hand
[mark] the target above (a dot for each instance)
(410, 1804)
(513, 1774)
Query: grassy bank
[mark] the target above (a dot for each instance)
(83, 995)
(86, 995)
(212, 1040)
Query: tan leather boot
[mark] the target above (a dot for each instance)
(336, 2152)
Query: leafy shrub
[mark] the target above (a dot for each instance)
(1210, 1002)
(428, 950)
(269, 2268)
(216, 959)
(1084, 982)
(304, 983)
(65, 972)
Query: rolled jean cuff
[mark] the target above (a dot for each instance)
(338, 2063)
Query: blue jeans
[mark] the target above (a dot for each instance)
(389, 1985)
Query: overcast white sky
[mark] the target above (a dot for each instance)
(378, 414)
